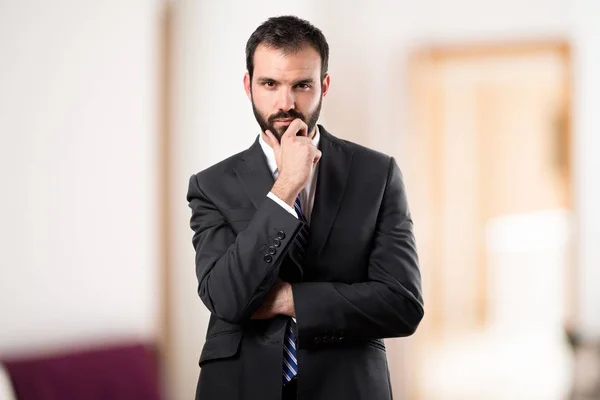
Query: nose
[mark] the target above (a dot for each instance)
(285, 99)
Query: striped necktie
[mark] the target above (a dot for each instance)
(301, 240)
(298, 208)
(290, 363)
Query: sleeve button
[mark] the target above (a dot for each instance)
(272, 250)
(280, 235)
(276, 242)
(268, 258)
(317, 340)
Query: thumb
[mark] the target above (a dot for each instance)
(317, 157)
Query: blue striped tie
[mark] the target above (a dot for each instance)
(290, 363)
(298, 208)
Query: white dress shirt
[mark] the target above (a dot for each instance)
(307, 195)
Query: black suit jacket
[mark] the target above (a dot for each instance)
(359, 283)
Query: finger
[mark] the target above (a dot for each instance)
(273, 142)
(305, 140)
(295, 127)
(257, 316)
(262, 315)
(303, 128)
(317, 156)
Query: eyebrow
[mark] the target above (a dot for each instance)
(264, 79)
(309, 81)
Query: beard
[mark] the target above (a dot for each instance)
(269, 123)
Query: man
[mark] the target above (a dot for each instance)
(305, 254)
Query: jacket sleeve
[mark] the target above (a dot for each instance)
(389, 303)
(236, 272)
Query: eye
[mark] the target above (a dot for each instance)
(303, 86)
(269, 84)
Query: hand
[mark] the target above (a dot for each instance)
(295, 157)
(280, 300)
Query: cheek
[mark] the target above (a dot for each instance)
(263, 99)
(308, 102)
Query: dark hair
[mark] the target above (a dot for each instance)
(290, 34)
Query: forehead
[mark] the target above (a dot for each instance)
(277, 63)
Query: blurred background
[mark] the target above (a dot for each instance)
(490, 107)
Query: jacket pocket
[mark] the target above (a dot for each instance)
(377, 343)
(221, 346)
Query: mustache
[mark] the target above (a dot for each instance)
(290, 114)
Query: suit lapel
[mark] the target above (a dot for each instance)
(254, 174)
(334, 169)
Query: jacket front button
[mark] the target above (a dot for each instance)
(272, 250)
(268, 258)
(280, 235)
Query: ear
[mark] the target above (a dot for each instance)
(325, 85)
(248, 86)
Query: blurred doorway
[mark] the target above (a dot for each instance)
(492, 197)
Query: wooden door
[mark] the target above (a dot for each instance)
(489, 140)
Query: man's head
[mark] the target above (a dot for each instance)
(287, 78)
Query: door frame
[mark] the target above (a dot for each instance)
(425, 144)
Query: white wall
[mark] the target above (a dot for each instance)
(78, 173)
(586, 38)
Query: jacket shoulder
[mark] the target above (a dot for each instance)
(219, 171)
(367, 157)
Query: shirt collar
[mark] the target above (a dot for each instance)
(270, 154)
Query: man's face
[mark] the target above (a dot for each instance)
(286, 86)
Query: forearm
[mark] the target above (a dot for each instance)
(235, 272)
(354, 311)
(389, 302)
